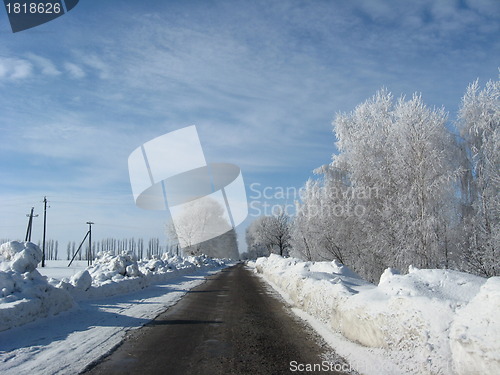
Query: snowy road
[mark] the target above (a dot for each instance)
(229, 325)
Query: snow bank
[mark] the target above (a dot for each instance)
(475, 332)
(427, 321)
(123, 273)
(19, 257)
(25, 294)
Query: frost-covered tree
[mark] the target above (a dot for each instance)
(255, 248)
(401, 150)
(304, 232)
(403, 189)
(202, 228)
(479, 124)
(424, 174)
(272, 232)
(388, 198)
(328, 222)
(365, 141)
(199, 221)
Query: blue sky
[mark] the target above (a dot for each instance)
(262, 80)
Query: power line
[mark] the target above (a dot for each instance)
(94, 202)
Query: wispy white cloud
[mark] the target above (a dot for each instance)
(96, 63)
(282, 77)
(15, 68)
(33, 65)
(45, 65)
(192, 76)
(74, 70)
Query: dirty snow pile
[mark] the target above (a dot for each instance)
(427, 322)
(26, 295)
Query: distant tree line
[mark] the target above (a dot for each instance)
(134, 246)
(51, 249)
(138, 247)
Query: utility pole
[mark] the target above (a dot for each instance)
(44, 229)
(89, 255)
(30, 224)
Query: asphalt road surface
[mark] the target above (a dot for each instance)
(231, 324)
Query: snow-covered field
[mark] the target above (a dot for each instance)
(59, 319)
(425, 322)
